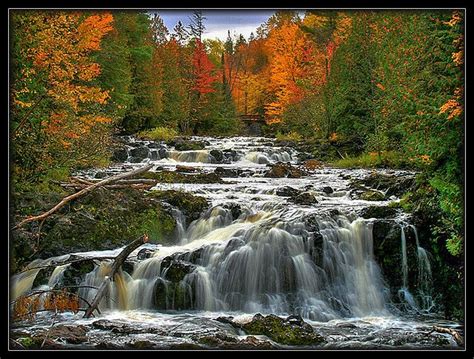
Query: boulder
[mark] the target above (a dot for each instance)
(120, 155)
(372, 196)
(287, 191)
(163, 153)
(281, 169)
(184, 145)
(227, 172)
(312, 164)
(217, 155)
(290, 331)
(379, 212)
(139, 154)
(327, 190)
(190, 205)
(100, 174)
(305, 199)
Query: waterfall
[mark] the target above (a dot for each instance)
(256, 263)
(190, 156)
(424, 277)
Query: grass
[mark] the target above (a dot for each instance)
(290, 136)
(389, 159)
(159, 134)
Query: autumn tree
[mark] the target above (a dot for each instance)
(56, 110)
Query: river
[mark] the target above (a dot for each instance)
(269, 245)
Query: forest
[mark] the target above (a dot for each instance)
(355, 89)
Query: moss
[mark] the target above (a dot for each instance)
(26, 342)
(101, 220)
(192, 206)
(282, 331)
(176, 177)
(372, 196)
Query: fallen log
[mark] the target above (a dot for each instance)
(454, 333)
(115, 267)
(82, 192)
(111, 186)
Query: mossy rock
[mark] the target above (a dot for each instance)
(102, 220)
(290, 331)
(177, 177)
(192, 206)
(183, 145)
(379, 212)
(280, 170)
(372, 196)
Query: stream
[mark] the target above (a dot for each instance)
(269, 245)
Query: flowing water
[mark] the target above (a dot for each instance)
(257, 251)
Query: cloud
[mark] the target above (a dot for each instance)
(218, 22)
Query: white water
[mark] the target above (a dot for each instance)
(275, 257)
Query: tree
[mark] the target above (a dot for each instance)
(56, 108)
(196, 26)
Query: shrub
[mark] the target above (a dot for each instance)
(159, 134)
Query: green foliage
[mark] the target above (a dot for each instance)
(388, 159)
(159, 134)
(290, 136)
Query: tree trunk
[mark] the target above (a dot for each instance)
(115, 267)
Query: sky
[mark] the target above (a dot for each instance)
(219, 21)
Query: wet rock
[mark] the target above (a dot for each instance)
(118, 327)
(372, 196)
(75, 273)
(327, 190)
(378, 212)
(287, 191)
(144, 253)
(72, 334)
(139, 154)
(180, 168)
(217, 155)
(153, 145)
(392, 185)
(231, 154)
(281, 169)
(185, 346)
(120, 155)
(226, 320)
(290, 331)
(183, 145)
(312, 164)
(163, 153)
(235, 209)
(305, 199)
(191, 206)
(141, 344)
(227, 172)
(176, 270)
(100, 174)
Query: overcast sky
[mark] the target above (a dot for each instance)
(219, 21)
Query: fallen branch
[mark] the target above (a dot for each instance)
(82, 192)
(115, 267)
(454, 333)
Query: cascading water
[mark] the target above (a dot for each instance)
(423, 300)
(254, 250)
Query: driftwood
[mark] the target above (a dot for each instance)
(115, 267)
(454, 333)
(82, 192)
